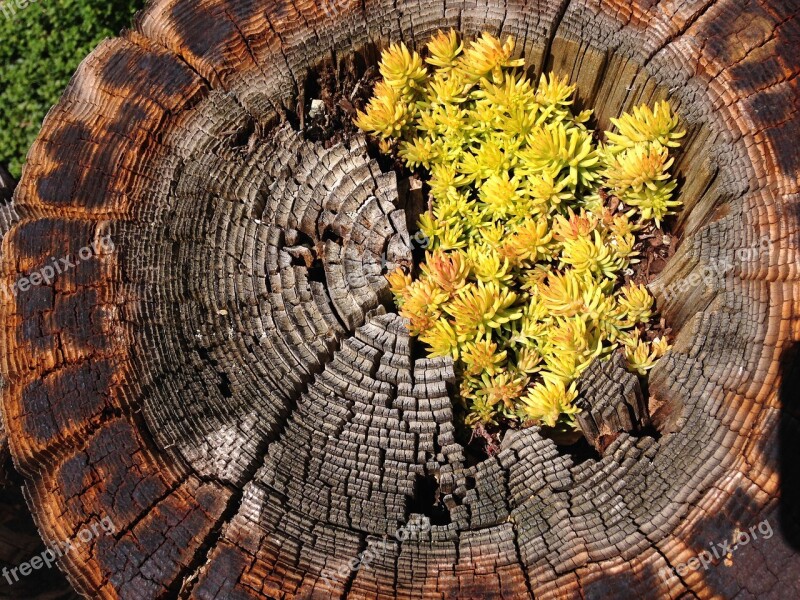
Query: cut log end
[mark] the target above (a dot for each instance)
(226, 381)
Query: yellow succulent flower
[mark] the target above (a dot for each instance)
(644, 165)
(654, 204)
(500, 195)
(591, 255)
(480, 307)
(548, 192)
(444, 50)
(486, 57)
(554, 148)
(571, 336)
(445, 89)
(399, 282)
(453, 207)
(444, 121)
(639, 358)
(489, 158)
(512, 91)
(445, 179)
(501, 388)
(554, 91)
(570, 347)
(565, 366)
(621, 225)
(448, 271)
(600, 308)
(481, 410)
(451, 237)
(547, 402)
(419, 152)
(482, 356)
(657, 125)
(518, 123)
(403, 70)
(641, 355)
(388, 114)
(562, 294)
(531, 330)
(660, 346)
(493, 235)
(625, 247)
(577, 226)
(636, 304)
(430, 227)
(441, 339)
(422, 306)
(529, 360)
(489, 266)
(529, 243)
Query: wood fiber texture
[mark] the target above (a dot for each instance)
(223, 378)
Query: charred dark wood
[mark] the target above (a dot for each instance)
(7, 185)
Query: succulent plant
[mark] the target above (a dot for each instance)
(523, 282)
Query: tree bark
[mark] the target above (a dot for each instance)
(224, 379)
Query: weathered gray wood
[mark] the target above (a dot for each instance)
(612, 402)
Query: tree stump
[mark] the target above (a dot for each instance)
(222, 375)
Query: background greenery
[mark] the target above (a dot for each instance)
(40, 48)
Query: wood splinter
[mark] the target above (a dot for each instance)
(612, 402)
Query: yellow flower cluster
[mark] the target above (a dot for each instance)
(522, 282)
(637, 160)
